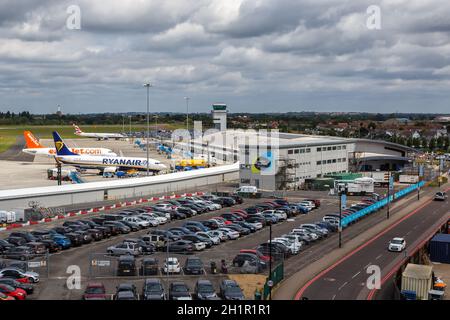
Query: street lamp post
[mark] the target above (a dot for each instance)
(148, 85)
(130, 124)
(270, 260)
(187, 113)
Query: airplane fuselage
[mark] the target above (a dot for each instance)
(51, 152)
(101, 162)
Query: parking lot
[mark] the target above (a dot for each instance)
(96, 265)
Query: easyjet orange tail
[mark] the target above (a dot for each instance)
(31, 140)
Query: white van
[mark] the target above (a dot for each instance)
(247, 189)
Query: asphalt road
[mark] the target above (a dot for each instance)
(346, 280)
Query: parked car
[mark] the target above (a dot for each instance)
(183, 246)
(126, 266)
(144, 247)
(197, 242)
(126, 291)
(215, 240)
(37, 248)
(171, 265)
(242, 231)
(241, 258)
(219, 234)
(16, 241)
(193, 265)
(5, 246)
(123, 229)
(20, 275)
(230, 233)
(153, 290)
(19, 253)
(204, 290)
(125, 248)
(179, 291)
(95, 291)
(256, 253)
(27, 287)
(149, 267)
(27, 236)
(230, 290)
(51, 245)
(16, 293)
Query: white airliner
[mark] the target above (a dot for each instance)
(34, 147)
(65, 156)
(97, 135)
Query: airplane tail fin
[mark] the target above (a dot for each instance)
(61, 148)
(31, 141)
(77, 129)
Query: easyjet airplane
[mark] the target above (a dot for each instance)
(34, 147)
(97, 135)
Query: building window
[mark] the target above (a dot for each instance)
(344, 147)
(329, 148)
(334, 148)
(308, 150)
(328, 161)
(344, 159)
(302, 150)
(291, 151)
(296, 151)
(334, 160)
(319, 149)
(319, 163)
(339, 147)
(245, 180)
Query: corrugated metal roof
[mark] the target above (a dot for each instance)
(418, 271)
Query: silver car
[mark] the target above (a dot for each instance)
(126, 248)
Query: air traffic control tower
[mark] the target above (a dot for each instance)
(219, 114)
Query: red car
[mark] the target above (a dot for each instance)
(18, 294)
(95, 291)
(242, 213)
(255, 252)
(4, 297)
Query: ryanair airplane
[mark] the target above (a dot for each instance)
(65, 156)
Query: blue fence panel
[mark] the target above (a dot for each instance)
(377, 205)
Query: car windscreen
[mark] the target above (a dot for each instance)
(153, 287)
(205, 287)
(179, 288)
(95, 290)
(395, 241)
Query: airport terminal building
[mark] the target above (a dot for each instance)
(295, 159)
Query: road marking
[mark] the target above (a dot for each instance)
(367, 265)
(345, 283)
(334, 297)
(407, 233)
(356, 274)
(379, 256)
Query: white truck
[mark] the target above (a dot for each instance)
(8, 217)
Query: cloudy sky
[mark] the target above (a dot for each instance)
(254, 55)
